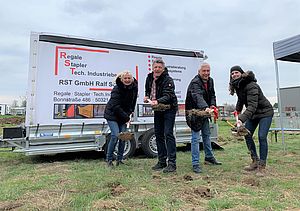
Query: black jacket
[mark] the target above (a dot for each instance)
(165, 89)
(198, 97)
(122, 102)
(250, 94)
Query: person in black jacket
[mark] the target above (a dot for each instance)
(160, 89)
(201, 95)
(259, 111)
(118, 110)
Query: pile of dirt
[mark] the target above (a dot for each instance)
(251, 182)
(12, 120)
(193, 194)
(116, 188)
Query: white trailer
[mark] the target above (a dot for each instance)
(69, 84)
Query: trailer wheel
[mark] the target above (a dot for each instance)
(149, 143)
(129, 149)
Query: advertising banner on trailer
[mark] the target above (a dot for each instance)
(70, 79)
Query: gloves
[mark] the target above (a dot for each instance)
(215, 112)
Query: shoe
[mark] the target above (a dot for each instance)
(119, 162)
(159, 166)
(261, 170)
(253, 166)
(110, 163)
(197, 169)
(211, 161)
(169, 169)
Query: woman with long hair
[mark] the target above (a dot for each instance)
(259, 112)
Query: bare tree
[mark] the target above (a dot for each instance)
(229, 107)
(23, 101)
(14, 104)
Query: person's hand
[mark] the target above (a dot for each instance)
(208, 110)
(215, 112)
(146, 98)
(239, 123)
(154, 102)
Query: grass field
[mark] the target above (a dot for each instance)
(81, 181)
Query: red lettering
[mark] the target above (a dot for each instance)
(63, 55)
(67, 63)
(72, 68)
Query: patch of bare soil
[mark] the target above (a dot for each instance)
(251, 182)
(156, 176)
(46, 199)
(224, 140)
(193, 194)
(106, 205)
(116, 188)
(290, 154)
(187, 177)
(203, 192)
(195, 198)
(12, 120)
(8, 205)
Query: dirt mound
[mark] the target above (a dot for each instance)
(12, 120)
(251, 182)
(116, 188)
(6, 205)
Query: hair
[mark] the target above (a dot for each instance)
(159, 61)
(231, 89)
(203, 64)
(122, 74)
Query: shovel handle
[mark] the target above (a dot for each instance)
(128, 123)
(232, 125)
(236, 115)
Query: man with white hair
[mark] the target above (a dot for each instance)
(201, 95)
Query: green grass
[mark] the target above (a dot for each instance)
(81, 181)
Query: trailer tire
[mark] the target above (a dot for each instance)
(129, 149)
(149, 143)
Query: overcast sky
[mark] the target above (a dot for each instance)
(229, 31)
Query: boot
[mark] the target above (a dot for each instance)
(120, 162)
(261, 169)
(253, 166)
(211, 161)
(170, 168)
(159, 166)
(197, 169)
(110, 164)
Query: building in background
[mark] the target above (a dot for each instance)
(290, 101)
(4, 109)
(290, 107)
(17, 110)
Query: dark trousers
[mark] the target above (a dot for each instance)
(264, 126)
(166, 144)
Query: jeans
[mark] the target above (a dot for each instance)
(205, 132)
(166, 145)
(115, 129)
(264, 126)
